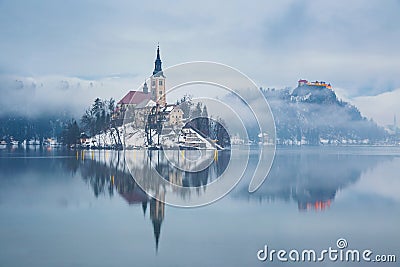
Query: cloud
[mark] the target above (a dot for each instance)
(382, 107)
(380, 181)
(58, 94)
(352, 45)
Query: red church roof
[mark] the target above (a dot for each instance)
(135, 196)
(134, 97)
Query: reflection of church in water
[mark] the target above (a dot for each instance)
(157, 208)
(135, 196)
(126, 187)
(107, 174)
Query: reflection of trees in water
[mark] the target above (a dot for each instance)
(185, 178)
(105, 177)
(98, 176)
(312, 178)
(148, 165)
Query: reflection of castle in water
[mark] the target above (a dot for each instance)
(312, 178)
(106, 172)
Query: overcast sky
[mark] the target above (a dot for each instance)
(352, 44)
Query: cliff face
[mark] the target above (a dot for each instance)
(314, 94)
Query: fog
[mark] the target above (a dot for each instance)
(38, 96)
(382, 107)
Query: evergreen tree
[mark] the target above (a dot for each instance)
(186, 104)
(71, 133)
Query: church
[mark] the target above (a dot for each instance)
(136, 105)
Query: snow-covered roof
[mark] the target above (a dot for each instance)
(169, 108)
(146, 103)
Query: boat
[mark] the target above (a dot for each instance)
(33, 142)
(14, 143)
(3, 144)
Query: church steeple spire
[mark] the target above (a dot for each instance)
(145, 88)
(157, 63)
(158, 82)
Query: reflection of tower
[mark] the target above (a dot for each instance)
(158, 81)
(395, 124)
(157, 215)
(144, 207)
(175, 177)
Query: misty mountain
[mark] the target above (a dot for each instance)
(314, 114)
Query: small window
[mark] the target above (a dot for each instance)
(160, 82)
(160, 92)
(153, 83)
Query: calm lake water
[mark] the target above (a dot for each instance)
(58, 208)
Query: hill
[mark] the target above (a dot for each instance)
(312, 114)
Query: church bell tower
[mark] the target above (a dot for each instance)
(158, 81)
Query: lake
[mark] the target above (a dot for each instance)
(82, 208)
